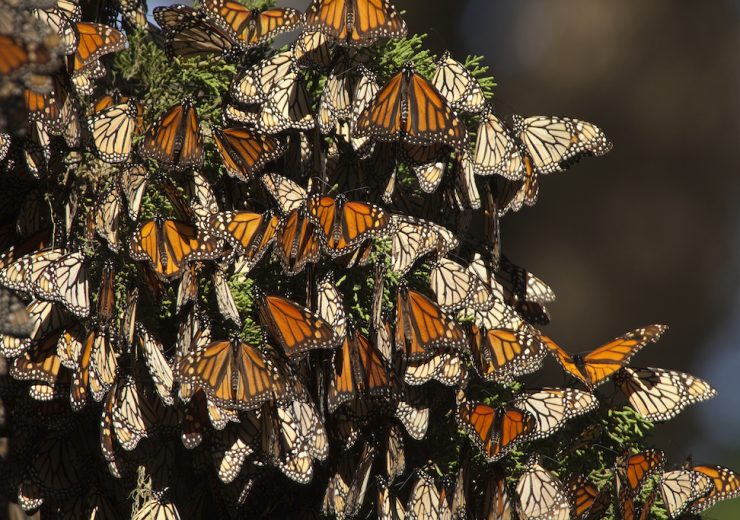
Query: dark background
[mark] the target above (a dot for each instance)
(651, 232)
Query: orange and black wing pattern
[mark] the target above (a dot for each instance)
(422, 329)
(495, 430)
(430, 118)
(726, 486)
(251, 27)
(633, 471)
(410, 109)
(235, 375)
(175, 140)
(250, 234)
(297, 329)
(94, 41)
(587, 502)
(355, 22)
(168, 246)
(296, 242)
(382, 118)
(503, 354)
(17, 56)
(359, 370)
(598, 365)
(345, 225)
(245, 152)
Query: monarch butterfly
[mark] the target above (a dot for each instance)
(232, 445)
(45, 318)
(286, 445)
(251, 27)
(54, 109)
(297, 242)
(14, 318)
(541, 494)
(336, 99)
(133, 182)
(503, 354)
(495, 503)
(496, 152)
(192, 33)
(395, 455)
(428, 162)
(457, 85)
(94, 41)
(594, 368)
(495, 430)
(446, 366)
(236, 375)
(630, 511)
(633, 470)
(253, 84)
(414, 419)
(388, 507)
(250, 234)
(40, 362)
(168, 246)
(157, 364)
(65, 281)
(409, 108)
(456, 287)
(93, 361)
(413, 238)
(312, 48)
(425, 501)
(365, 89)
(21, 274)
(108, 217)
(311, 427)
(345, 492)
(244, 152)
(296, 328)
(288, 106)
(345, 224)
(680, 488)
(289, 195)
(726, 486)
(355, 22)
(175, 140)
(422, 329)
(224, 298)
(359, 370)
(660, 395)
(465, 194)
(587, 502)
(554, 142)
(112, 131)
(330, 306)
(553, 407)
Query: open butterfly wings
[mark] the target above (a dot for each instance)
(175, 139)
(409, 108)
(597, 366)
(355, 22)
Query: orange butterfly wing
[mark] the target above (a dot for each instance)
(430, 119)
(295, 327)
(95, 40)
(422, 328)
(329, 17)
(382, 118)
(297, 242)
(634, 470)
(374, 19)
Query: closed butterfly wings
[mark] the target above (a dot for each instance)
(658, 394)
(542, 496)
(554, 142)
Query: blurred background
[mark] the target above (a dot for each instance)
(651, 232)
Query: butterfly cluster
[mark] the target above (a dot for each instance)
(294, 304)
